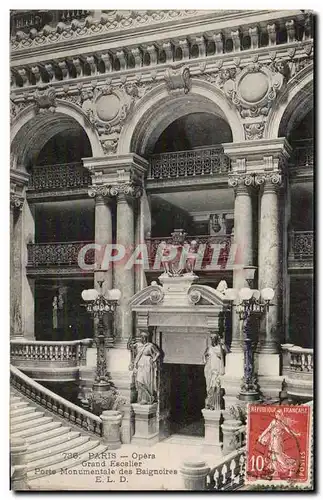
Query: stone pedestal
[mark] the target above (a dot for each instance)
(111, 421)
(212, 429)
(194, 473)
(18, 450)
(231, 430)
(146, 432)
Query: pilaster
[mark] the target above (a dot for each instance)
(21, 233)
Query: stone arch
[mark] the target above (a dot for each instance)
(159, 108)
(31, 131)
(292, 105)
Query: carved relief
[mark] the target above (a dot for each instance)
(45, 99)
(270, 181)
(178, 79)
(254, 130)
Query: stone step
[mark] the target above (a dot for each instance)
(100, 448)
(36, 431)
(14, 399)
(27, 416)
(30, 424)
(40, 440)
(21, 411)
(58, 443)
(57, 458)
(19, 404)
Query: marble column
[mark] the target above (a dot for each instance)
(124, 278)
(270, 259)
(103, 237)
(243, 239)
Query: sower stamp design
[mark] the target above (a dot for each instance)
(278, 445)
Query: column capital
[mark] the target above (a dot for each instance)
(126, 190)
(18, 183)
(270, 181)
(241, 183)
(100, 191)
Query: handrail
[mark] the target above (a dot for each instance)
(56, 404)
(51, 342)
(61, 242)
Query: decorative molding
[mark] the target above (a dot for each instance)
(112, 20)
(99, 191)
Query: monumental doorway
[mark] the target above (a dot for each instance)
(186, 399)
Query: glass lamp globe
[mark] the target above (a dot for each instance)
(230, 293)
(256, 294)
(245, 293)
(92, 294)
(85, 295)
(114, 294)
(267, 294)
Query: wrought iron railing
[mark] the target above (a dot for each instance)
(67, 16)
(303, 154)
(301, 245)
(58, 254)
(54, 403)
(223, 243)
(193, 163)
(60, 354)
(58, 177)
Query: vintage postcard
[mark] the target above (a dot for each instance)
(162, 250)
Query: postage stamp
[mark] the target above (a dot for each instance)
(279, 445)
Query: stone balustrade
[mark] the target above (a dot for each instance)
(29, 353)
(228, 474)
(298, 370)
(54, 403)
(191, 163)
(58, 254)
(59, 177)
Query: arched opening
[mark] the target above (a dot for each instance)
(302, 162)
(50, 147)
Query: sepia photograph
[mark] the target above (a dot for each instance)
(162, 250)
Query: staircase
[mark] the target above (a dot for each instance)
(50, 441)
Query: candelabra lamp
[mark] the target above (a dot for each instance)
(98, 304)
(250, 305)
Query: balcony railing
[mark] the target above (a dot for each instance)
(301, 245)
(303, 154)
(298, 370)
(59, 177)
(192, 163)
(58, 254)
(29, 353)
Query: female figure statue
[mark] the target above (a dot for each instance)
(214, 368)
(145, 370)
